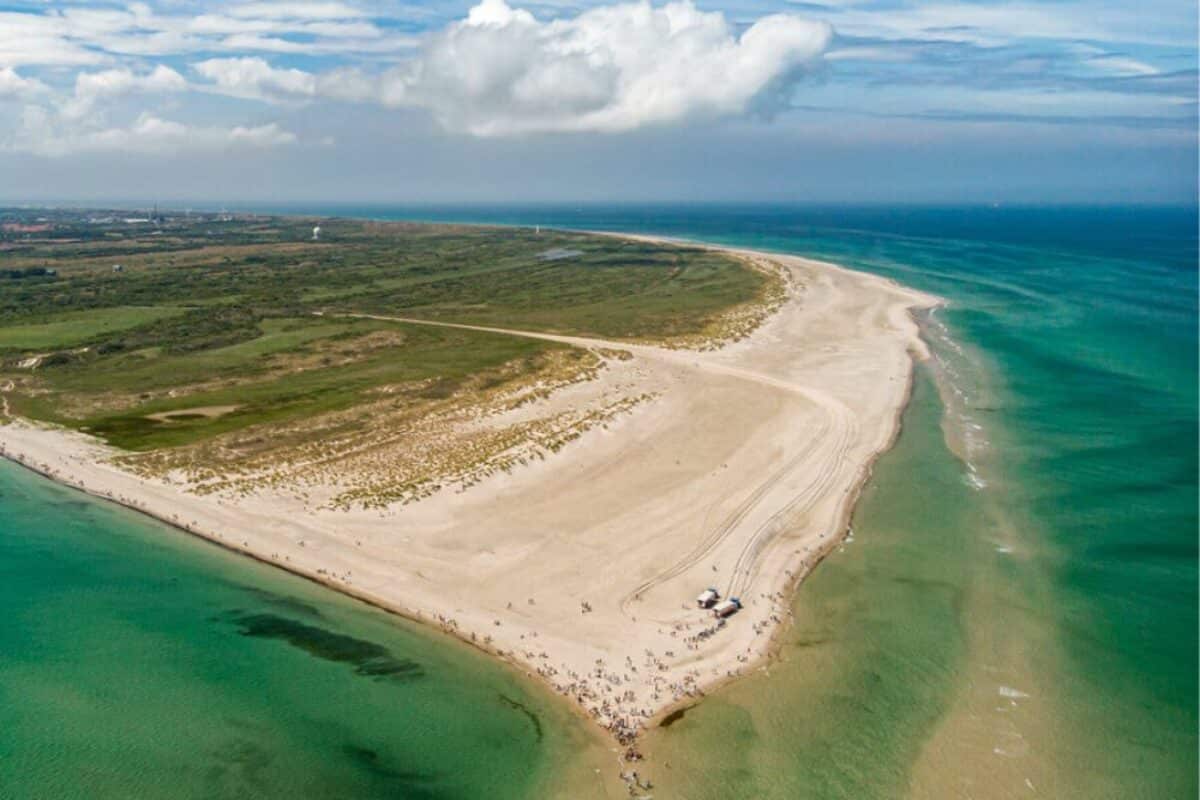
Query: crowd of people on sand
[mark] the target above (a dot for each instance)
(635, 782)
(610, 694)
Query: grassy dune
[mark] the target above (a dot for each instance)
(210, 314)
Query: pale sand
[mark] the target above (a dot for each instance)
(740, 473)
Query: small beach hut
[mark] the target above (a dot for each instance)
(708, 598)
(727, 608)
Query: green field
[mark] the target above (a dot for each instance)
(76, 327)
(263, 394)
(212, 326)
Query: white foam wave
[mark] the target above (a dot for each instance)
(973, 479)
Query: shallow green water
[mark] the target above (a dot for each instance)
(1081, 377)
(138, 662)
(871, 660)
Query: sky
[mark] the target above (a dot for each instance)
(832, 101)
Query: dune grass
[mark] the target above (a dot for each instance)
(209, 312)
(299, 368)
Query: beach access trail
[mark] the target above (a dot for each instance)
(734, 468)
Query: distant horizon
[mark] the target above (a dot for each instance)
(239, 102)
(265, 206)
(1134, 230)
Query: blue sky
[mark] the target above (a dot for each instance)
(838, 101)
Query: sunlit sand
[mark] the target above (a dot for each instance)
(732, 468)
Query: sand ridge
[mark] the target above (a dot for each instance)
(738, 472)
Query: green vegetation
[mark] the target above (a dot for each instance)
(77, 327)
(297, 368)
(214, 325)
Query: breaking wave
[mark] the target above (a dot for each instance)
(959, 377)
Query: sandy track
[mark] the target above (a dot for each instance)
(829, 455)
(583, 568)
(685, 358)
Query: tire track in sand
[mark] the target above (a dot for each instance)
(837, 420)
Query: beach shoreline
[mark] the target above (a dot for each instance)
(831, 474)
(843, 530)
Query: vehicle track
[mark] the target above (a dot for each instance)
(727, 526)
(837, 418)
(765, 533)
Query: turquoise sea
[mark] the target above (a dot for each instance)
(1015, 614)
(139, 662)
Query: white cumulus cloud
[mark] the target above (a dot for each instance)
(148, 134)
(253, 77)
(14, 85)
(501, 72)
(613, 68)
(91, 87)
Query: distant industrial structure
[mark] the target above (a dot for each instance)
(316, 233)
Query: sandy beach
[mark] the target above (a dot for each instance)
(733, 468)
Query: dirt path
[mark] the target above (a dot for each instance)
(684, 358)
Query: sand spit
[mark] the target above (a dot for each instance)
(738, 472)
